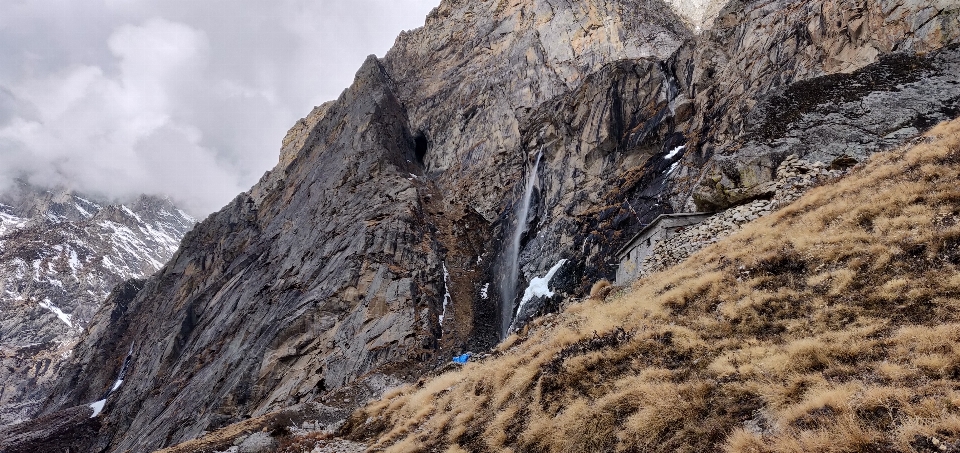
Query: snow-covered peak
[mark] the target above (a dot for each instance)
(61, 254)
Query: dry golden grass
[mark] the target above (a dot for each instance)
(832, 325)
(600, 289)
(275, 423)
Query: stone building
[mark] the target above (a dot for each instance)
(663, 227)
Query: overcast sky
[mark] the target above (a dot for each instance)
(186, 98)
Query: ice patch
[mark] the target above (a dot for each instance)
(673, 168)
(74, 262)
(446, 295)
(97, 407)
(673, 152)
(483, 291)
(57, 311)
(539, 286)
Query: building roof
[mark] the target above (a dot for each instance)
(652, 225)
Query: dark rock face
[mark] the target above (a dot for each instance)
(60, 255)
(836, 117)
(321, 274)
(369, 254)
(70, 429)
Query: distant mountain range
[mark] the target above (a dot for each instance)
(61, 253)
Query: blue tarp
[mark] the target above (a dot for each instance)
(462, 358)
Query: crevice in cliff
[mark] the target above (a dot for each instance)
(421, 146)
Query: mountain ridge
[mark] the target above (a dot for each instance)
(332, 274)
(60, 256)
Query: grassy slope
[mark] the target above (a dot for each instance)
(831, 325)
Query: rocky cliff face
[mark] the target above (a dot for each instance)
(371, 251)
(60, 255)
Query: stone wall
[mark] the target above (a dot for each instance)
(662, 228)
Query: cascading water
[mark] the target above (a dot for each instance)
(671, 89)
(510, 266)
(97, 406)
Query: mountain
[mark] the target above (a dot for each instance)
(500, 143)
(829, 325)
(61, 254)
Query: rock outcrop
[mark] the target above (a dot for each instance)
(369, 253)
(60, 256)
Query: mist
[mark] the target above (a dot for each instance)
(184, 99)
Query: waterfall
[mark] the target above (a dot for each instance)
(671, 88)
(97, 406)
(510, 267)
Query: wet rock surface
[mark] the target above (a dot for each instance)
(365, 255)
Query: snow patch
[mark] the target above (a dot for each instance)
(116, 385)
(83, 212)
(446, 295)
(57, 311)
(74, 262)
(87, 202)
(9, 222)
(483, 291)
(539, 286)
(673, 168)
(186, 216)
(131, 213)
(21, 268)
(673, 152)
(97, 407)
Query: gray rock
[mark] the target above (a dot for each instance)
(258, 443)
(336, 268)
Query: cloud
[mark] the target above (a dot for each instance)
(181, 98)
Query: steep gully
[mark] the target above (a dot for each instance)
(327, 280)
